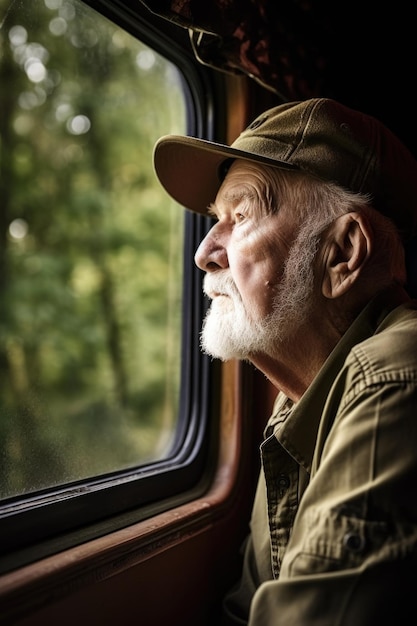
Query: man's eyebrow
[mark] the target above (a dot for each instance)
(232, 197)
(212, 210)
(237, 194)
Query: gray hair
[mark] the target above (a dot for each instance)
(314, 204)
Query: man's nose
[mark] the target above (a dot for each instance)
(211, 254)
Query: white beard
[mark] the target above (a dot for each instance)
(229, 332)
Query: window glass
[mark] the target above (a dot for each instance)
(90, 251)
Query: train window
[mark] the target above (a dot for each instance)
(91, 273)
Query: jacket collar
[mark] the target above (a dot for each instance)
(296, 425)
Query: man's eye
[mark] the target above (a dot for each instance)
(239, 217)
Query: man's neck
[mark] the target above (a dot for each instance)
(293, 366)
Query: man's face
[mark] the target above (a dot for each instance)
(244, 255)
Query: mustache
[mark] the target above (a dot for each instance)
(217, 284)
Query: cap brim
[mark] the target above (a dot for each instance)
(190, 168)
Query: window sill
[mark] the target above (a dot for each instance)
(44, 582)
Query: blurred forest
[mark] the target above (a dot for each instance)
(90, 250)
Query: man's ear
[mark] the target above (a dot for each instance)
(346, 249)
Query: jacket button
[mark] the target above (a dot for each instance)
(354, 542)
(283, 482)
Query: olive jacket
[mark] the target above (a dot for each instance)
(333, 538)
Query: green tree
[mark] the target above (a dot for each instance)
(90, 253)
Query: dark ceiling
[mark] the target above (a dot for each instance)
(361, 53)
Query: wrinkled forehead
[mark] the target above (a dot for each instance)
(242, 191)
(263, 188)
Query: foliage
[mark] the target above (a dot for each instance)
(90, 248)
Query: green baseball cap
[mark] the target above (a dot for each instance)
(320, 137)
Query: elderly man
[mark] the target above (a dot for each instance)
(305, 266)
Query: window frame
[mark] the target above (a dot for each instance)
(40, 524)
